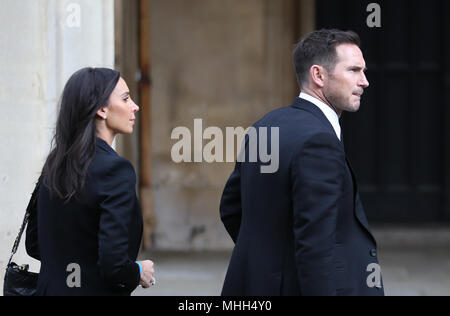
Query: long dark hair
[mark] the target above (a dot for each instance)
(73, 145)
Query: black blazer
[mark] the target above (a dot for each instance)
(101, 232)
(301, 230)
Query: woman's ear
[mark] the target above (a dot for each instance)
(317, 75)
(102, 113)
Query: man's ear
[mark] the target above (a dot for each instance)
(317, 75)
(102, 113)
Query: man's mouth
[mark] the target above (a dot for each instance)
(358, 93)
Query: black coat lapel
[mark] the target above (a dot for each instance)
(359, 210)
(316, 111)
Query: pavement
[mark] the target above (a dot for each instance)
(414, 262)
(186, 274)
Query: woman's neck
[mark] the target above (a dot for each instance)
(107, 137)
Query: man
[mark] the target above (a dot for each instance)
(302, 230)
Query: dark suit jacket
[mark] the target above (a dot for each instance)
(301, 230)
(101, 232)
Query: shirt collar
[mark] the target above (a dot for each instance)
(329, 113)
(104, 145)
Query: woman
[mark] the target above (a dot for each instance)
(88, 227)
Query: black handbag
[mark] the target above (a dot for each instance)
(18, 280)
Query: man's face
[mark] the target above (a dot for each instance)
(345, 86)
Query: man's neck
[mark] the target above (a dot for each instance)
(321, 97)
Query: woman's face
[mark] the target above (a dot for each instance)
(120, 113)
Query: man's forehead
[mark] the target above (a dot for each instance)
(350, 53)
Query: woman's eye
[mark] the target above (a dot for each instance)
(126, 99)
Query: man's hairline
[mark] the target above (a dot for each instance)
(331, 73)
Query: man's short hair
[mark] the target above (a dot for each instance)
(319, 48)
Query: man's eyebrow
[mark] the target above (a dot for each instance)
(358, 68)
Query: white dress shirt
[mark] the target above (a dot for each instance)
(330, 114)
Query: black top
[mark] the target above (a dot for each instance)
(100, 232)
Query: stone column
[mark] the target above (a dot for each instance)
(43, 42)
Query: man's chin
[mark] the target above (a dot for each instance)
(353, 108)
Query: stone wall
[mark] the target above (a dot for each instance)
(227, 63)
(42, 42)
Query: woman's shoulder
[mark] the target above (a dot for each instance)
(110, 175)
(110, 166)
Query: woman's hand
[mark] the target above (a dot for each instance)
(148, 271)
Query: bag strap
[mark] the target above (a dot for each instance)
(32, 205)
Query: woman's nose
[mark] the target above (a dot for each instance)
(135, 107)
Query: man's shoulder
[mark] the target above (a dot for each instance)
(290, 117)
(297, 127)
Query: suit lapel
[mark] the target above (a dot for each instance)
(359, 210)
(305, 105)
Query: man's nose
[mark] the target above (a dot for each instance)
(364, 82)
